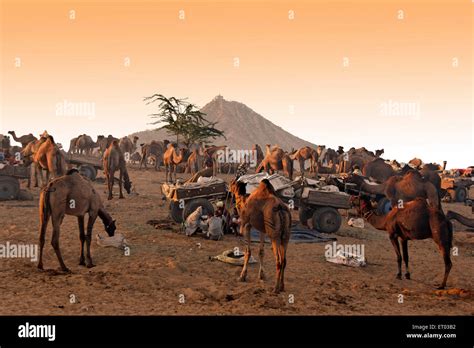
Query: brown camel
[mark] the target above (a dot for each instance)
(264, 211)
(378, 170)
(276, 159)
(127, 145)
(72, 145)
(154, 150)
(28, 153)
(24, 139)
(401, 189)
(415, 163)
(85, 144)
(302, 155)
(103, 143)
(171, 159)
(73, 195)
(113, 161)
(195, 160)
(213, 153)
(451, 215)
(416, 221)
(259, 154)
(48, 156)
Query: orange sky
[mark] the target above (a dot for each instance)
(291, 71)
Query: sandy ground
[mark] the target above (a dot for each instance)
(163, 265)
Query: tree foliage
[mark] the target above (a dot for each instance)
(183, 119)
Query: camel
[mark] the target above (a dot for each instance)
(24, 139)
(48, 156)
(328, 155)
(4, 142)
(302, 155)
(378, 170)
(451, 215)
(416, 221)
(195, 160)
(72, 145)
(127, 145)
(276, 159)
(56, 202)
(401, 189)
(155, 150)
(415, 163)
(258, 154)
(213, 153)
(171, 159)
(103, 143)
(264, 211)
(113, 161)
(85, 144)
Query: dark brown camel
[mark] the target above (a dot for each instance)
(415, 221)
(113, 161)
(71, 194)
(378, 170)
(268, 214)
(401, 189)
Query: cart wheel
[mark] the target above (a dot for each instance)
(176, 212)
(88, 171)
(305, 213)
(384, 206)
(191, 206)
(327, 220)
(9, 188)
(460, 194)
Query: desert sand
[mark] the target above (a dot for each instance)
(164, 265)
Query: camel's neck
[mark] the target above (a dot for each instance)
(14, 136)
(105, 217)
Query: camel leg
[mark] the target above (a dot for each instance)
(120, 184)
(44, 225)
(166, 172)
(82, 237)
(245, 231)
(276, 253)
(283, 248)
(405, 257)
(261, 252)
(110, 183)
(396, 246)
(90, 225)
(447, 264)
(55, 241)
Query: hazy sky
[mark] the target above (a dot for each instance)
(374, 73)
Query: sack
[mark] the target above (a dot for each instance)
(215, 228)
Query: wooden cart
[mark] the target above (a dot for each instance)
(322, 207)
(9, 181)
(185, 199)
(87, 165)
(459, 189)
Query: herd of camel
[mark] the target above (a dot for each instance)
(414, 190)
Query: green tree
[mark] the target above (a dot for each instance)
(183, 119)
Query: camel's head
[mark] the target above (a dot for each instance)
(127, 185)
(110, 228)
(379, 153)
